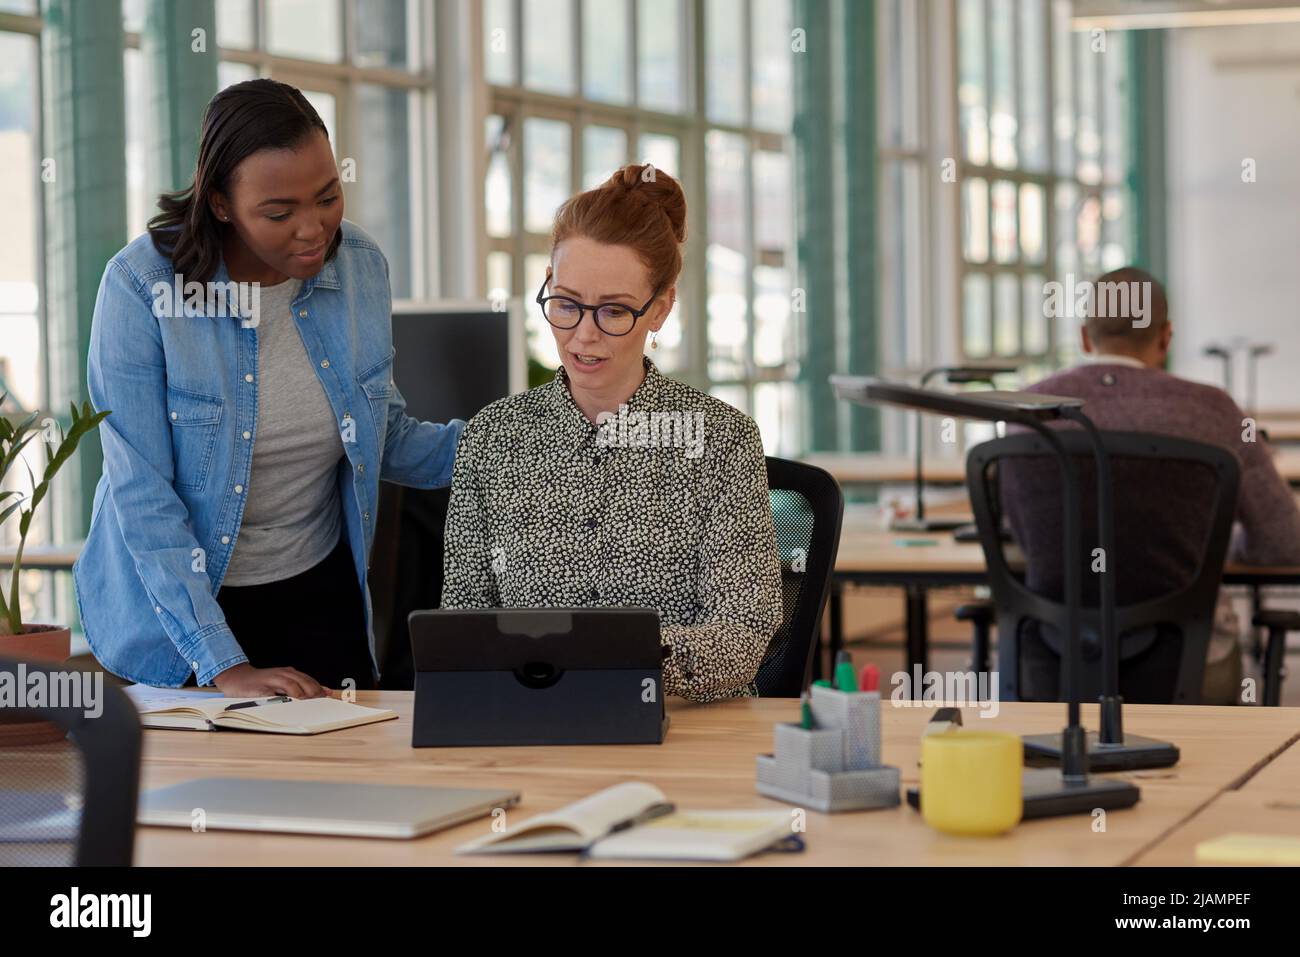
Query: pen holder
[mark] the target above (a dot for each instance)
(858, 713)
(803, 751)
(834, 766)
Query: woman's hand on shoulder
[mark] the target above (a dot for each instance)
(245, 681)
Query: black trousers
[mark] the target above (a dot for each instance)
(314, 622)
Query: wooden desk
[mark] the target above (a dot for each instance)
(868, 553)
(864, 468)
(706, 762)
(870, 556)
(1267, 803)
(854, 468)
(1280, 431)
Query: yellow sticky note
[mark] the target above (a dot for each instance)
(1250, 849)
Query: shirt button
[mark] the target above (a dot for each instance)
(157, 609)
(591, 523)
(324, 363)
(1108, 379)
(239, 489)
(173, 416)
(361, 468)
(595, 595)
(225, 539)
(248, 435)
(302, 313)
(367, 516)
(248, 377)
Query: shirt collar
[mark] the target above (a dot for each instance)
(326, 278)
(576, 427)
(1098, 359)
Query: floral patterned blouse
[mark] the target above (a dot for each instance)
(663, 505)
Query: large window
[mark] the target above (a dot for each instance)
(366, 66)
(1002, 168)
(21, 371)
(22, 307)
(1041, 113)
(702, 91)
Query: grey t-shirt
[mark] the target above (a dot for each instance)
(292, 515)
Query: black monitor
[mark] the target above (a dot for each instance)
(454, 358)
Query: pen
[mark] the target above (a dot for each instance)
(649, 814)
(253, 704)
(870, 680)
(844, 679)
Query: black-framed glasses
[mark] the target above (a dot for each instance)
(612, 318)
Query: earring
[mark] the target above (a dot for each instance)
(654, 340)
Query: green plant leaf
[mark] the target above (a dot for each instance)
(12, 609)
(17, 446)
(9, 510)
(26, 423)
(38, 493)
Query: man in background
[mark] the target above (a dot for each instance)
(1122, 380)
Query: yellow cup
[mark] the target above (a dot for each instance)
(971, 781)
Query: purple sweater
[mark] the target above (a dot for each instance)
(1125, 398)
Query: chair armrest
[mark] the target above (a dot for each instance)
(1277, 618)
(980, 612)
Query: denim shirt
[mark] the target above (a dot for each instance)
(178, 449)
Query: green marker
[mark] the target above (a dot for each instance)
(822, 683)
(845, 679)
(805, 713)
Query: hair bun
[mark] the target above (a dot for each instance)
(654, 187)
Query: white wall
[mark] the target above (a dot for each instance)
(1234, 247)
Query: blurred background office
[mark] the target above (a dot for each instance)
(874, 186)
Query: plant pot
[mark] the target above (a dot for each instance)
(41, 644)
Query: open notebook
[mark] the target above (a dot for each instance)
(635, 821)
(201, 711)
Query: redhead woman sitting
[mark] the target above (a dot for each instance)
(613, 485)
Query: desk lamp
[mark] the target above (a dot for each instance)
(1254, 353)
(954, 375)
(1047, 792)
(1216, 351)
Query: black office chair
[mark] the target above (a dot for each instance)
(1279, 622)
(405, 573)
(72, 800)
(1165, 591)
(807, 511)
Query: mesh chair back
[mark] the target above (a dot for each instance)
(807, 511)
(70, 798)
(1174, 501)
